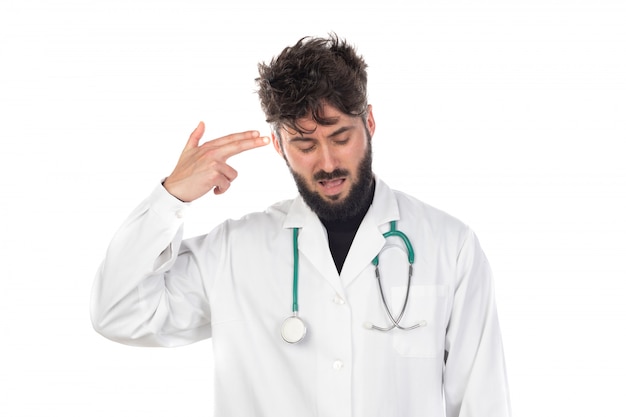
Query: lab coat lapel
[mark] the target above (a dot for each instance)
(369, 239)
(313, 242)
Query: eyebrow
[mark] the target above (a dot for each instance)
(332, 135)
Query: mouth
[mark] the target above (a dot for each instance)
(332, 187)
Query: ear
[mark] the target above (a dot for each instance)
(277, 145)
(370, 123)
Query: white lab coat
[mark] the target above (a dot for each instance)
(235, 285)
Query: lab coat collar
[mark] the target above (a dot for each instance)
(369, 239)
(313, 240)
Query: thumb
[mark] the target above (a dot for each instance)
(195, 136)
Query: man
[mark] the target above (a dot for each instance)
(398, 326)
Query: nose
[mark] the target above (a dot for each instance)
(328, 160)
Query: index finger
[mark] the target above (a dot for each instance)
(236, 143)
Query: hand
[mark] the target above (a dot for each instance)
(202, 168)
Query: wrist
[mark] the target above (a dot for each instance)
(170, 192)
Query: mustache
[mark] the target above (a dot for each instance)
(327, 176)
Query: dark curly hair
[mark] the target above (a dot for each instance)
(305, 77)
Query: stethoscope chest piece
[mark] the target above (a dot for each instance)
(293, 329)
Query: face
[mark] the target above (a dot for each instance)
(332, 166)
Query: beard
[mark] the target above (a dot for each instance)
(359, 196)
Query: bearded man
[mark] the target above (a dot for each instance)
(351, 299)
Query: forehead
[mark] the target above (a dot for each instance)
(309, 126)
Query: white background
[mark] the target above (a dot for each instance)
(507, 114)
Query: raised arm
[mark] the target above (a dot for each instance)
(150, 290)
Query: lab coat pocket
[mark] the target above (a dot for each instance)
(427, 304)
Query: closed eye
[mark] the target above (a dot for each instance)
(303, 145)
(306, 149)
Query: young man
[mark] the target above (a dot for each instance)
(393, 310)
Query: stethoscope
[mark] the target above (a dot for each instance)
(293, 329)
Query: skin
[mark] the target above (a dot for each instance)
(202, 168)
(340, 146)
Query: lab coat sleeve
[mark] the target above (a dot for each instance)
(149, 290)
(475, 380)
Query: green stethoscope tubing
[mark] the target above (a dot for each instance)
(394, 232)
(293, 329)
(294, 307)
